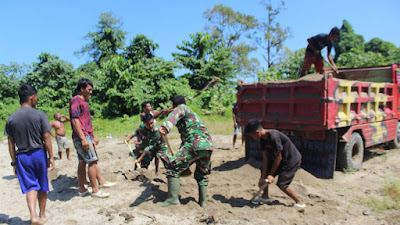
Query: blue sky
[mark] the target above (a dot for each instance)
(28, 28)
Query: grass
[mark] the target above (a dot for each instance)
(120, 126)
(389, 199)
(349, 170)
(321, 186)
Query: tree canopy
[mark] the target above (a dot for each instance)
(126, 75)
(107, 40)
(205, 58)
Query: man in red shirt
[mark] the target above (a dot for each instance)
(85, 140)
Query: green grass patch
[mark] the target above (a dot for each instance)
(389, 199)
(349, 170)
(120, 126)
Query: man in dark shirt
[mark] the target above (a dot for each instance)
(313, 51)
(28, 130)
(280, 158)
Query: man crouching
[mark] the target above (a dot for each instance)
(280, 158)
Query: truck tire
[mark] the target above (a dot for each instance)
(351, 154)
(396, 142)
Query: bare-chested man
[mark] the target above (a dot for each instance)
(62, 141)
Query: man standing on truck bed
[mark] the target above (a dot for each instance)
(280, 158)
(313, 51)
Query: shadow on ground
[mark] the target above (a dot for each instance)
(231, 165)
(9, 177)
(5, 219)
(65, 188)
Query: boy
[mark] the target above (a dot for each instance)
(157, 146)
(280, 158)
(313, 51)
(140, 146)
(62, 141)
(236, 125)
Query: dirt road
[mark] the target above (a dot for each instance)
(232, 184)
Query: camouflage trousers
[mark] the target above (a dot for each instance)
(139, 150)
(185, 157)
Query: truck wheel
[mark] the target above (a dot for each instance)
(396, 142)
(351, 154)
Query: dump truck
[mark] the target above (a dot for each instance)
(331, 118)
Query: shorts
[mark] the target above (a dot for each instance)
(85, 155)
(62, 143)
(238, 129)
(285, 177)
(32, 171)
(311, 58)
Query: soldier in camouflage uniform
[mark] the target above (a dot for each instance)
(144, 134)
(196, 148)
(157, 146)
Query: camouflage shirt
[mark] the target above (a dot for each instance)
(190, 126)
(141, 131)
(157, 146)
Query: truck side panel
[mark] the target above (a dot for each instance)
(355, 103)
(374, 133)
(287, 106)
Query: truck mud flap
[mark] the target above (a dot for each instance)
(253, 149)
(318, 156)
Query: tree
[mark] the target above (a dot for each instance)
(120, 87)
(394, 56)
(205, 58)
(107, 40)
(347, 40)
(358, 58)
(11, 78)
(140, 48)
(377, 45)
(289, 67)
(271, 36)
(54, 79)
(228, 27)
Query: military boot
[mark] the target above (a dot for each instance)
(173, 192)
(202, 195)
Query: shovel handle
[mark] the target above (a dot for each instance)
(259, 191)
(132, 154)
(337, 71)
(169, 146)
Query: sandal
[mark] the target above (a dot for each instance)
(107, 185)
(84, 193)
(261, 199)
(100, 194)
(299, 205)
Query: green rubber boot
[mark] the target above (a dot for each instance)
(203, 196)
(173, 192)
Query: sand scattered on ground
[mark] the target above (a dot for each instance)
(232, 184)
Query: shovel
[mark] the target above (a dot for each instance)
(137, 165)
(259, 191)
